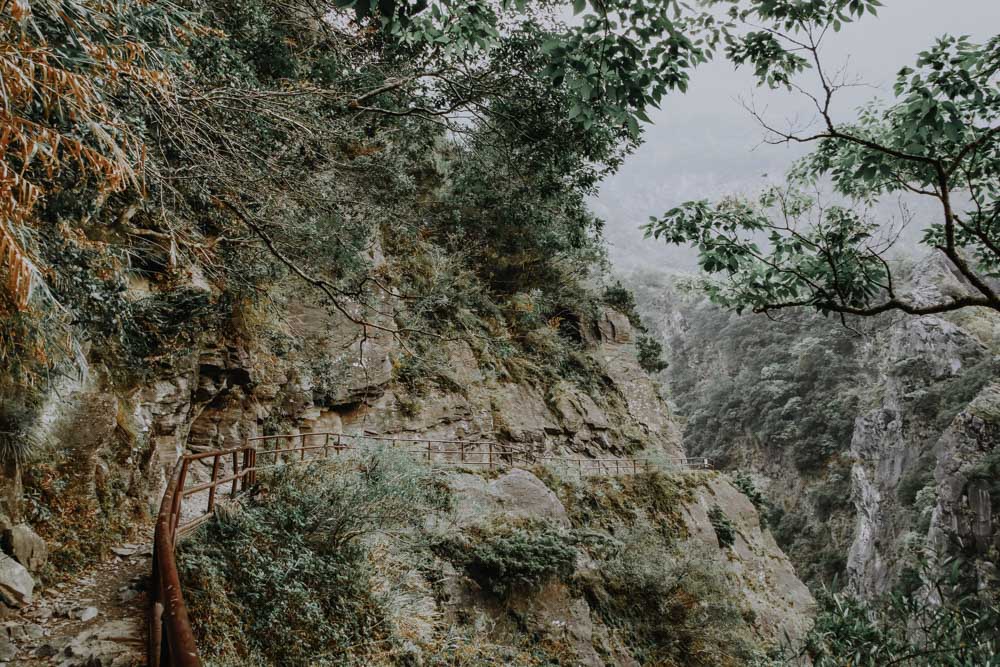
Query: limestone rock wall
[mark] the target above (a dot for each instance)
(319, 372)
(908, 479)
(907, 465)
(778, 605)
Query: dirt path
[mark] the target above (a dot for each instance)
(97, 620)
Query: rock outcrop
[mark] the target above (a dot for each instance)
(16, 584)
(904, 455)
(753, 567)
(25, 546)
(780, 602)
(966, 516)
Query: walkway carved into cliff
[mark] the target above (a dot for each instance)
(230, 473)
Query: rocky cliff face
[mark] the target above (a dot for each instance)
(746, 588)
(307, 370)
(897, 445)
(360, 392)
(965, 518)
(905, 475)
(910, 449)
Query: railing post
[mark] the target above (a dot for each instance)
(178, 503)
(155, 621)
(211, 489)
(428, 452)
(236, 469)
(244, 480)
(490, 454)
(326, 446)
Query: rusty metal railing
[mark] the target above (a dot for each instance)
(171, 641)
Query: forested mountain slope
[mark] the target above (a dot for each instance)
(867, 448)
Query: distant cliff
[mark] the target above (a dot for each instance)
(872, 451)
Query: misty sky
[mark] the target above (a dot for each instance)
(704, 144)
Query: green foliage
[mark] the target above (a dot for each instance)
(944, 398)
(907, 629)
(599, 502)
(937, 139)
(724, 530)
(622, 299)
(920, 474)
(804, 381)
(630, 526)
(509, 559)
(17, 414)
(621, 57)
(650, 353)
(293, 563)
(673, 605)
(741, 480)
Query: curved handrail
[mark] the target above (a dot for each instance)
(171, 641)
(168, 617)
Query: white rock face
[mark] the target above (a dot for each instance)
(514, 495)
(780, 601)
(16, 584)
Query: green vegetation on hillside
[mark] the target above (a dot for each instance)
(959, 629)
(286, 578)
(508, 559)
(781, 400)
(338, 563)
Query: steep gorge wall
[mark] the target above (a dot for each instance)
(904, 477)
(309, 370)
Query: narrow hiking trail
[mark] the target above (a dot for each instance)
(172, 641)
(95, 620)
(98, 619)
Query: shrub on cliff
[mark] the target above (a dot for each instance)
(505, 559)
(286, 579)
(673, 606)
(905, 629)
(723, 527)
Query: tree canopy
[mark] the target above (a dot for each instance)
(939, 138)
(179, 127)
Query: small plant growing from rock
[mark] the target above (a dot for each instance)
(724, 530)
(650, 352)
(505, 559)
(742, 481)
(620, 297)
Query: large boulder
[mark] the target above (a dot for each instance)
(25, 546)
(16, 584)
(514, 495)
